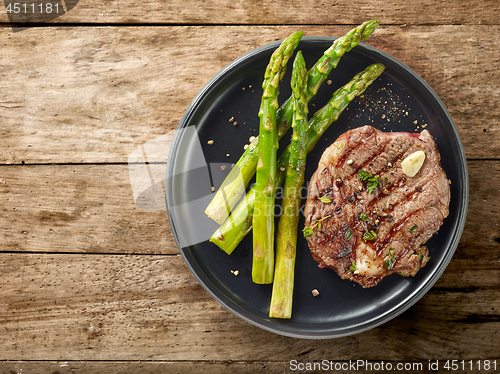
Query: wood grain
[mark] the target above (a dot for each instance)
(297, 12)
(143, 367)
(108, 307)
(78, 208)
(94, 95)
(208, 367)
(92, 280)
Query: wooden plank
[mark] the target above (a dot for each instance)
(91, 208)
(127, 367)
(78, 208)
(109, 307)
(481, 236)
(269, 12)
(94, 95)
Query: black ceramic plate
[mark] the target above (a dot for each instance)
(398, 100)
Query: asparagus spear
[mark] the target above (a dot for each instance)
(263, 217)
(286, 243)
(233, 187)
(235, 228)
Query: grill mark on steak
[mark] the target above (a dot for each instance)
(391, 209)
(348, 153)
(383, 245)
(356, 168)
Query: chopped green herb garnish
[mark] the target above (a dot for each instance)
(364, 175)
(390, 250)
(389, 263)
(369, 235)
(419, 256)
(353, 267)
(348, 234)
(413, 228)
(339, 145)
(363, 217)
(308, 230)
(372, 182)
(325, 199)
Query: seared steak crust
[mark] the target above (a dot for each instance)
(367, 233)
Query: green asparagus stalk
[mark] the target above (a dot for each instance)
(235, 228)
(233, 187)
(286, 243)
(263, 217)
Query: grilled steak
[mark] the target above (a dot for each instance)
(366, 217)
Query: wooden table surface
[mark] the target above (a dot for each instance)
(92, 283)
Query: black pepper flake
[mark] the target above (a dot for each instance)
(418, 189)
(338, 209)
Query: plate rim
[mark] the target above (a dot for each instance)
(456, 234)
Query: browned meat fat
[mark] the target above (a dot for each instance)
(374, 219)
